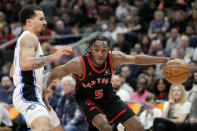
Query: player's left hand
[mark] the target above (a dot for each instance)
(168, 59)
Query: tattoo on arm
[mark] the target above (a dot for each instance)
(40, 62)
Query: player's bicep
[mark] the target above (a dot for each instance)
(28, 48)
(121, 58)
(74, 66)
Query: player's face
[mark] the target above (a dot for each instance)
(176, 93)
(99, 51)
(38, 22)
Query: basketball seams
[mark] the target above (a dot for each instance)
(176, 71)
(187, 73)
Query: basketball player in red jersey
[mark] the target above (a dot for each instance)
(94, 92)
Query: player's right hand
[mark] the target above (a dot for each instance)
(62, 51)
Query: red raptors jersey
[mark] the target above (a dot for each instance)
(95, 84)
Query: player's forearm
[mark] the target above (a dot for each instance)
(149, 60)
(57, 72)
(35, 63)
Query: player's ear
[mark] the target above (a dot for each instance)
(90, 49)
(28, 22)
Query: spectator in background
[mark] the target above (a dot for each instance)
(176, 110)
(179, 21)
(111, 33)
(155, 46)
(193, 65)
(195, 54)
(161, 89)
(193, 21)
(7, 36)
(141, 93)
(193, 38)
(60, 29)
(138, 49)
(59, 92)
(117, 83)
(5, 121)
(150, 113)
(92, 12)
(173, 40)
(161, 36)
(2, 20)
(150, 69)
(6, 68)
(135, 23)
(143, 8)
(145, 42)
(16, 28)
(6, 90)
(9, 12)
(77, 16)
(192, 91)
(68, 112)
(159, 24)
(136, 70)
(123, 11)
(126, 73)
(183, 45)
(48, 7)
(192, 124)
(124, 45)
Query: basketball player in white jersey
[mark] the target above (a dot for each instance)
(27, 72)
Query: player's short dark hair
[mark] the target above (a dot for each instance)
(101, 38)
(28, 12)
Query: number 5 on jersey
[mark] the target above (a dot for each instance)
(99, 94)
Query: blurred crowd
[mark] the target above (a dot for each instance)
(165, 28)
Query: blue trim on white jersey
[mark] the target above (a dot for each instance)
(21, 89)
(35, 87)
(20, 67)
(33, 102)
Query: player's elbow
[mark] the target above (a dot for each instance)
(11, 74)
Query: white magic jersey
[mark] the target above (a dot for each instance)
(33, 77)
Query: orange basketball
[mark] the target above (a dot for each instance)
(176, 71)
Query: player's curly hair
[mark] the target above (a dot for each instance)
(101, 38)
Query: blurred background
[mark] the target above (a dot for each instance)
(165, 28)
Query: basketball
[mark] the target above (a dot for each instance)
(176, 71)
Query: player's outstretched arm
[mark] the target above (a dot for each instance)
(121, 58)
(73, 66)
(29, 45)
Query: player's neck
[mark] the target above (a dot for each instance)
(30, 30)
